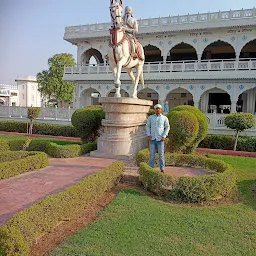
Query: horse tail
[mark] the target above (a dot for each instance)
(142, 78)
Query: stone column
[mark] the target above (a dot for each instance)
(196, 104)
(251, 97)
(233, 106)
(124, 128)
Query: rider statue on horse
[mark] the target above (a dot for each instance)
(124, 49)
(131, 28)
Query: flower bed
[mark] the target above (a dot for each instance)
(196, 189)
(13, 163)
(25, 227)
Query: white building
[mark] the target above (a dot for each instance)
(9, 95)
(28, 92)
(207, 60)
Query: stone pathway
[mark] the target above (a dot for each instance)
(21, 191)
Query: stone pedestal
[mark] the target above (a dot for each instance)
(124, 128)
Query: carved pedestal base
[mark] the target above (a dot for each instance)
(124, 128)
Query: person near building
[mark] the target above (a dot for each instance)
(157, 130)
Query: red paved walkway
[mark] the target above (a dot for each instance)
(21, 191)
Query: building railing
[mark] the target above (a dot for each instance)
(174, 66)
(9, 87)
(172, 20)
(216, 121)
(47, 113)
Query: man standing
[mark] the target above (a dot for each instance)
(157, 130)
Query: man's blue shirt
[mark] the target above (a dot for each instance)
(157, 127)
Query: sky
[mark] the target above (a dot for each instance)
(31, 31)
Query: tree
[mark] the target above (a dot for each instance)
(33, 113)
(239, 122)
(51, 85)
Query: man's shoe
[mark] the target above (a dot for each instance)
(162, 171)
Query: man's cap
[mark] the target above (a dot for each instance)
(157, 106)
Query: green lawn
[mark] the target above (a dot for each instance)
(135, 224)
(57, 141)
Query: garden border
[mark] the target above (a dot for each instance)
(23, 162)
(19, 233)
(196, 189)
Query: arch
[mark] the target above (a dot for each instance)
(124, 93)
(182, 51)
(2, 102)
(149, 94)
(247, 101)
(87, 98)
(218, 50)
(215, 99)
(249, 50)
(152, 53)
(179, 96)
(88, 54)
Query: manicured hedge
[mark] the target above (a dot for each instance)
(227, 141)
(25, 227)
(4, 146)
(39, 128)
(69, 151)
(196, 189)
(13, 163)
(72, 149)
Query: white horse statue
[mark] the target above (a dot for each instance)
(120, 54)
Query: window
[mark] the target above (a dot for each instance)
(14, 94)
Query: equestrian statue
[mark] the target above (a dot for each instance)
(124, 49)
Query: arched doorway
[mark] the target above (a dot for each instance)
(124, 94)
(92, 55)
(89, 97)
(219, 50)
(148, 94)
(179, 97)
(152, 54)
(247, 101)
(249, 50)
(182, 52)
(215, 100)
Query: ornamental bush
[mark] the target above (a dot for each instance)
(87, 122)
(183, 130)
(69, 151)
(13, 163)
(239, 122)
(203, 126)
(33, 114)
(218, 141)
(197, 189)
(25, 227)
(39, 128)
(4, 146)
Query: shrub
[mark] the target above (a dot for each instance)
(151, 112)
(39, 128)
(87, 122)
(4, 146)
(69, 151)
(203, 126)
(196, 189)
(43, 216)
(14, 163)
(183, 130)
(33, 113)
(38, 145)
(239, 122)
(16, 144)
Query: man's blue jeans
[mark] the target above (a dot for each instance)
(159, 146)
